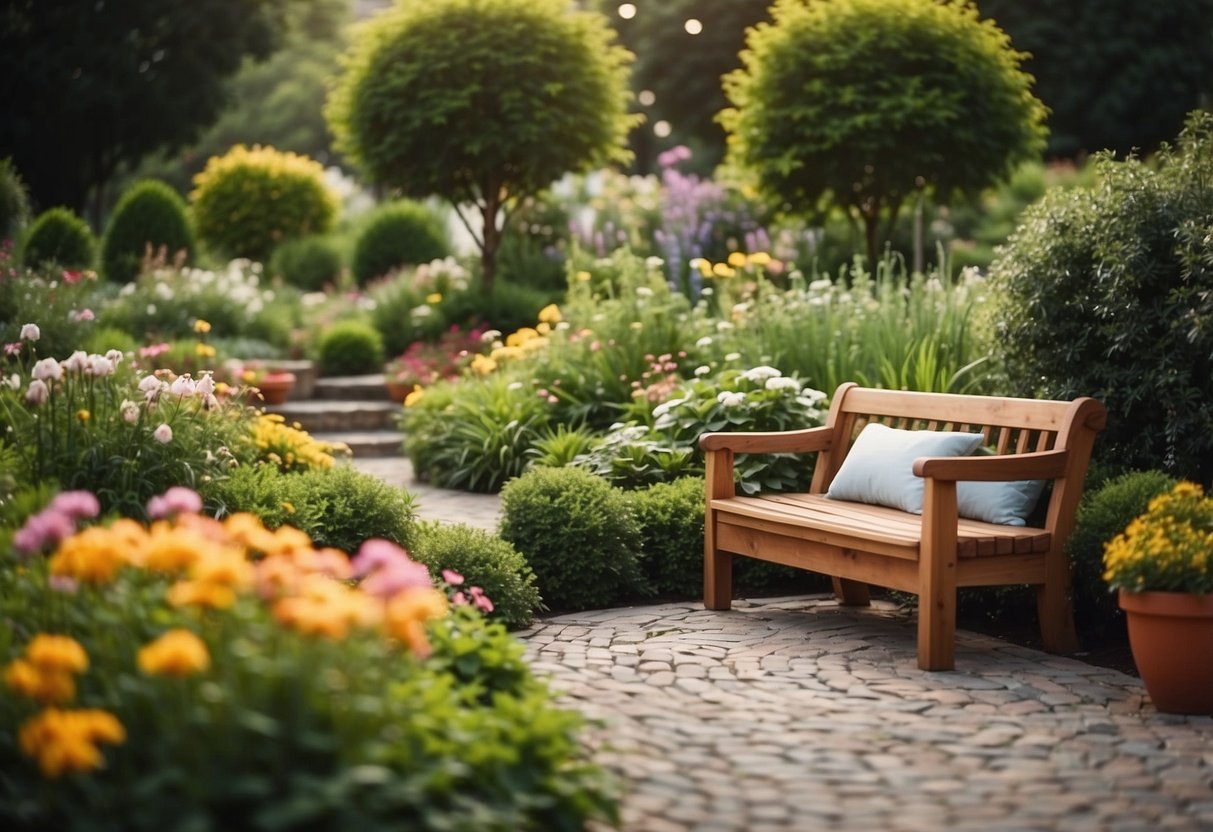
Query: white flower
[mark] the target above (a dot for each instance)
(30, 332)
(14, 381)
(490, 335)
(77, 362)
(733, 356)
(130, 411)
(514, 385)
(38, 392)
(152, 387)
(654, 262)
(182, 386)
(782, 383)
(703, 370)
(115, 356)
(722, 326)
(705, 341)
(731, 399)
(48, 369)
(163, 434)
(421, 312)
(99, 366)
(644, 292)
(205, 386)
(820, 285)
(760, 373)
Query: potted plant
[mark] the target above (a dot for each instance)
(272, 383)
(423, 363)
(1162, 566)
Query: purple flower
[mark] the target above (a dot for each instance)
(43, 531)
(177, 500)
(78, 505)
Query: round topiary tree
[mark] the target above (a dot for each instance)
(150, 214)
(481, 102)
(350, 347)
(310, 263)
(246, 202)
(399, 233)
(864, 102)
(59, 236)
(1108, 292)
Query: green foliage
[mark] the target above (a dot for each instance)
(168, 302)
(103, 339)
(1106, 292)
(534, 247)
(1127, 83)
(274, 726)
(671, 530)
(484, 560)
(860, 102)
(398, 234)
(61, 238)
(474, 435)
(1104, 513)
(632, 456)
(149, 214)
(481, 102)
(309, 263)
(246, 202)
(577, 532)
(423, 303)
(338, 507)
(351, 347)
(14, 201)
(561, 446)
(74, 63)
(53, 301)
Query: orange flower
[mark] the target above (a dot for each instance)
(46, 686)
(176, 653)
(407, 613)
(93, 555)
(50, 652)
(66, 741)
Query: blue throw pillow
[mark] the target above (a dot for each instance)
(879, 467)
(1005, 503)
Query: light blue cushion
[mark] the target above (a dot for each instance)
(878, 469)
(1005, 503)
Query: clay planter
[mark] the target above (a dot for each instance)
(396, 391)
(1171, 634)
(275, 387)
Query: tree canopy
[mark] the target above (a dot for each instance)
(89, 84)
(1116, 74)
(481, 102)
(864, 102)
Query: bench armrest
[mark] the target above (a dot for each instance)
(769, 442)
(1042, 465)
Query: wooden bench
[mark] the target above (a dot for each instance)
(929, 555)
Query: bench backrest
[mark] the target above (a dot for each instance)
(1009, 426)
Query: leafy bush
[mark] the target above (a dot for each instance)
(398, 234)
(14, 201)
(103, 339)
(338, 506)
(421, 304)
(60, 303)
(61, 238)
(671, 531)
(152, 215)
(1103, 514)
(202, 676)
(484, 560)
(577, 532)
(249, 201)
(351, 347)
(310, 263)
(1107, 293)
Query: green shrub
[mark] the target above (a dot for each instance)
(486, 561)
(310, 263)
(533, 247)
(58, 236)
(1106, 292)
(249, 201)
(350, 347)
(149, 214)
(14, 201)
(338, 507)
(422, 304)
(1103, 514)
(577, 532)
(671, 531)
(52, 300)
(399, 234)
(106, 338)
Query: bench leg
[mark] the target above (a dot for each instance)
(852, 593)
(937, 578)
(1056, 614)
(717, 579)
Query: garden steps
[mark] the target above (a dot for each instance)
(332, 415)
(365, 444)
(351, 410)
(351, 388)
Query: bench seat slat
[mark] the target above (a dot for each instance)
(894, 528)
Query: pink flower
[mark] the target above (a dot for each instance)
(43, 531)
(130, 411)
(77, 362)
(64, 584)
(99, 366)
(177, 500)
(153, 350)
(38, 392)
(30, 332)
(182, 387)
(388, 569)
(163, 434)
(48, 369)
(83, 315)
(205, 386)
(72, 277)
(12, 348)
(78, 505)
(481, 600)
(459, 599)
(452, 577)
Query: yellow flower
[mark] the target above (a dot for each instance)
(521, 336)
(737, 259)
(201, 326)
(583, 276)
(93, 555)
(323, 607)
(433, 298)
(66, 741)
(482, 365)
(83, 415)
(24, 678)
(174, 548)
(704, 266)
(176, 653)
(247, 530)
(204, 350)
(50, 652)
(759, 258)
(407, 613)
(723, 270)
(201, 594)
(417, 393)
(550, 314)
(288, 506)
(506, 353)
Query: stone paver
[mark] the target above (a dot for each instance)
(796, 714)
(442, 504)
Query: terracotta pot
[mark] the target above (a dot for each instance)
(275, 387)
(396, 391)
(1171, 635)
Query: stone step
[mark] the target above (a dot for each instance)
(330, 416)
(350, 388)
(366, 444)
